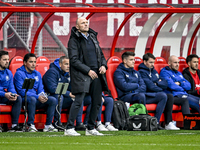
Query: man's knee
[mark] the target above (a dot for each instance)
(52, 100)
(31, 100)
(19, 100)
(109, 100)
(184, 100)
(170, 98)
(162, 96)
(142, 98)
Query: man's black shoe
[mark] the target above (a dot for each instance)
(60, 126)
(159, 127)
(80, 127)
(16, 129)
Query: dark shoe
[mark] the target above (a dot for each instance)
(1, 130)
(159, 127)
(16, 129)
(80, 127)
(60, 126)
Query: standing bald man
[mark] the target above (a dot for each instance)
(87, 69)
(177, 84)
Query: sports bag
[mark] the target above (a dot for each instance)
(120, 115)
(137, 109)
(142, 123)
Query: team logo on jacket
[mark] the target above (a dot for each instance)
(137, 126)
(36, 78)
(7, 78)
(157, 75)
(136, 75)
(127, 75)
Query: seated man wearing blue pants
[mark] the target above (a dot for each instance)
(59, 72)
(177, 84)
(7, 91)
(156, 84)
(36, 98)
(132, 89)
(107, 101)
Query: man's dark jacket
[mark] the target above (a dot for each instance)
(80, 80)
(188, 76)
(128, 82)
(151, 79)
(53, 76)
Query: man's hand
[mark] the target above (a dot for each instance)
(71, 95)
(9, 97)
(102, 70)
(92, 74)
(177, 83)
(42, 99)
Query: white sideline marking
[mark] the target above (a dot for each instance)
(120, 144)
(185, 133)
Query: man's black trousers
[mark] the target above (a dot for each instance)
(96, 97)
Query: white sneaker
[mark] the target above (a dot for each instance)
(92, 132)
(171, 126)
(32, 128)
(71, 132)
(50, 128)
(101, 127)
(111, 128)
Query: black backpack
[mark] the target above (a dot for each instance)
(120, 115)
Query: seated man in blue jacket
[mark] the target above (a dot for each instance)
(156, 84)
(177, 84)
(131, 87)
(8, 95)
(59, 72)
(36, 97)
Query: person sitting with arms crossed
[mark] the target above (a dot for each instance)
(156, 84)
(132, 89)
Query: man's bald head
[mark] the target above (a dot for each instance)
(82, 25)
(79, 19)
(173, 62)
(172, 58)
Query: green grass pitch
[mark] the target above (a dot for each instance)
(125, 140)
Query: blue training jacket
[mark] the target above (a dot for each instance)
(6, 82)
(53, 76)
(172, 77)
(151, 79)
(128, 80)
(22, 74)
